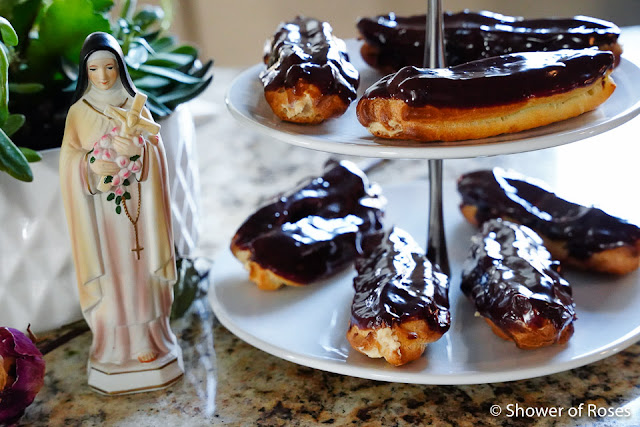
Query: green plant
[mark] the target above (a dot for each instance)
(43, 64)
(13, 160)
(169, 74)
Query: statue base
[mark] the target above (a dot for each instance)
(138, 378)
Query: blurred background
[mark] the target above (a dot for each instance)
(233, 31)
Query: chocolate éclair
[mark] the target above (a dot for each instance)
(308, 76)
(401, 300)
(582, 236)
(392, 42)
(309, 234)
(516, 286)
(487, 97)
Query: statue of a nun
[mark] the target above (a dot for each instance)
(113, 177)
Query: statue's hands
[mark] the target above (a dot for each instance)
(104, 167)
(125, 147)
(133, 118)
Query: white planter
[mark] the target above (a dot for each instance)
(37, 277)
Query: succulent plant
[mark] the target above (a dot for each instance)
(42, 65)
(13, 160)
(168, 73)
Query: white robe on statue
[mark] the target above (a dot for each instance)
(125, 301)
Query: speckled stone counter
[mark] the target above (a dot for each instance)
(229, 382)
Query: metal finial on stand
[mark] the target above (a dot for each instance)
(434, 58)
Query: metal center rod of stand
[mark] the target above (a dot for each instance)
(434, 58)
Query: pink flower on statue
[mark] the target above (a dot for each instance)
(105, 141)
(138, 141)
(119, 191)
(124, 173)
(114, 131)
(97, 152)
(122, 161)
(108, 154)
(135, 167)
(117, 180)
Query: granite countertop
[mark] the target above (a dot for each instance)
(229, 382)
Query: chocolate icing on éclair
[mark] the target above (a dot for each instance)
(309, 234)
(396, 283)
(470, 36)
(495, 81)
(304, 48)
(586, 230)
(512, 280)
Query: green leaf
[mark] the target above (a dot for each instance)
(150, 37)
(126, 182)
(108, 179)
(12, 160)
(157, 109)
(92, 159)
(13, 123)
(179, 96)
(151, 82)
(118, 209)
(4, 85)
(23, 15)
(191, 283)
(9, 36)
(127, 195)
(186, 50)
(202, 71)
(118, 200)
(134, 158)
(163, 43)
(63, 28)
(171, 60)
(111, 196)
(150, 15)
(136, 56)
(32, 156)
(169, 73)
(142, 42)
(25, 88)
(102, 6)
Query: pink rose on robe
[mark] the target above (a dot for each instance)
(124, 173)
(122, 161)
(108, 154)
(136, 166)
(119, 191)
(97, 152)
(138, 141)
(117, 180)
(105, 141)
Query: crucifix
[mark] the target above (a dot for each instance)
(132, 124)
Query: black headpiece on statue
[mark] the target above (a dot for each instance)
(93, 43)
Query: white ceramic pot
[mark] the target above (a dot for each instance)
(37, 276)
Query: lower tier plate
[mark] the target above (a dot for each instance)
(307, 325)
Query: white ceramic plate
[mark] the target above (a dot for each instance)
(307, 325)
(345, 135)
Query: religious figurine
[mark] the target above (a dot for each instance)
(113, 176)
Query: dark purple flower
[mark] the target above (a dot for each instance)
(21, 373)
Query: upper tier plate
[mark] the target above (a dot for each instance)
(345, 135)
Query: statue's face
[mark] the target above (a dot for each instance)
(103, 73)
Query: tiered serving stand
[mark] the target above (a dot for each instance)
(308, 325)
